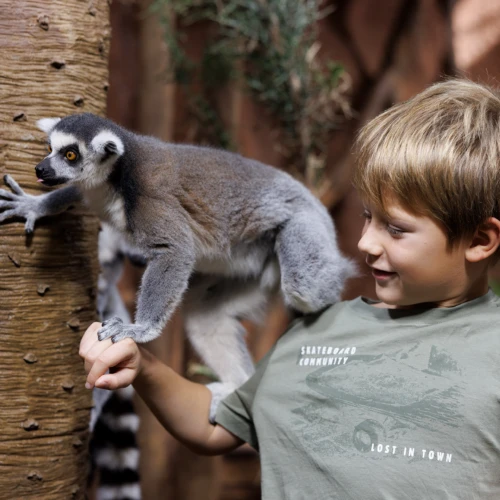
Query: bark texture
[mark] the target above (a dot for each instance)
(54, 63)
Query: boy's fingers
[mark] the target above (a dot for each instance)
(95, 351)
(112, 356)
(89, 338)
(112, 381)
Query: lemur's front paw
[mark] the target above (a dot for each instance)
(18, 204)
(115, 330)
(111, 328)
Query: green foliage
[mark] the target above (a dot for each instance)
(273, 44)
(495, 286)
(209, 122)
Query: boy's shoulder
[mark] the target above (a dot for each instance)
(482, 309)
(326, 315)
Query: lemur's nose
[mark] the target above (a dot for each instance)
(38, 170)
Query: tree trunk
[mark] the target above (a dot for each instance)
(54, 63)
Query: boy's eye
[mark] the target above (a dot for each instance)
(367, 215)
(394, 231)
(71, 155)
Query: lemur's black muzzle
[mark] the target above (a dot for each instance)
(47, 175)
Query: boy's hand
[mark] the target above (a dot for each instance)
(123, 358)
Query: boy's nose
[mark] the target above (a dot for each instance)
(369, 244)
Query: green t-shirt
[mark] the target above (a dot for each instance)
(365, 403)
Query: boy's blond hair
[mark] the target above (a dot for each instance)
(438, 154)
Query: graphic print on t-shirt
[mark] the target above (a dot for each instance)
(380, 405)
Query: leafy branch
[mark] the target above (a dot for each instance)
(274, 45)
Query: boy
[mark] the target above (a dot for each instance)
(395, 399)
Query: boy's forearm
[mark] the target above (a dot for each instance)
(182, 407)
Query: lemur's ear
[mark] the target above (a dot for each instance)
(110, 148)
(47, 124)
(107, 144)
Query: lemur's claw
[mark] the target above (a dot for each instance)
(7, 195)
(16, 188)
(102, 335)
(120, 336)
(110, 328)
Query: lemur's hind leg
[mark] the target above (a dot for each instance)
(213, 309)
(313, 270)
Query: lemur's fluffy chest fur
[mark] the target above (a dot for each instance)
(108, 205)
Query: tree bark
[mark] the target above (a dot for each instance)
(54, 63)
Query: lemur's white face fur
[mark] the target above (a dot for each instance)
(82, 148)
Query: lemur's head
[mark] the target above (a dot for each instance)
(82, 148)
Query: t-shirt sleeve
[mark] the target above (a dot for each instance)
(235, 412)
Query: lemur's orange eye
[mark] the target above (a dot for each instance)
(71, 156)
(49, 148)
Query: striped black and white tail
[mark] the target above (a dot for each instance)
(113, 422)
(114, 450)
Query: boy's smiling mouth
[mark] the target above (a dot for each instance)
(381, 275)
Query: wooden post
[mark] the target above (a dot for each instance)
(54, 63)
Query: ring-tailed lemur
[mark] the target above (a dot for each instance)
(113, 422)
(225, 229)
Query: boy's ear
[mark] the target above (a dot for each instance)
(485, 241)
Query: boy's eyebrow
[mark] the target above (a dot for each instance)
(406, 220)
(399, 221)
(402, 217)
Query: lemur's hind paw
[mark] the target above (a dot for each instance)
(219, 391)
(116, 330)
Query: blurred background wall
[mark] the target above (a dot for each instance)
(391, 50)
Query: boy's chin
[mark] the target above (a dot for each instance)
(397, 303)
(391, 300)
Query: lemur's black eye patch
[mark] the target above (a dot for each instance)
(71, 153)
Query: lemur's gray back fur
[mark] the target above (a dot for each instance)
(225, 229)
